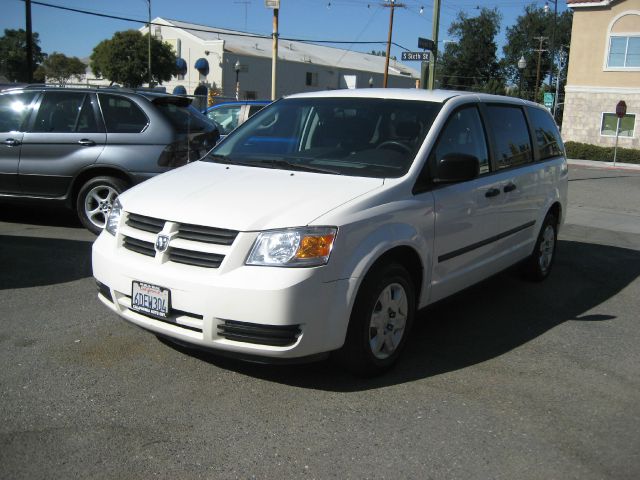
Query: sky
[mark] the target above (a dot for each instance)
(76, 34)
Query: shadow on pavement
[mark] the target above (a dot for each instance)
(34, 262)
(49, 216)
(480, 323)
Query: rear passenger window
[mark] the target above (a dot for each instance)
(464, 133)
(548, 140)
(65, 112)
(122, 115)
(511, 135)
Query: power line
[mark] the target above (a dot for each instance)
(209, 30)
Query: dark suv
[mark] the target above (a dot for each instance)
(83, 147)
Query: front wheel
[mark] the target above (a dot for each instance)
(381, 319)
(95, 200)
(538, 266)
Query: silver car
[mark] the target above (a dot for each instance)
(82, 147)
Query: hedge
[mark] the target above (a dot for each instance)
(586, 151)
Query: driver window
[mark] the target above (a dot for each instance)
(464, 133)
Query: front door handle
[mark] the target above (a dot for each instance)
(12, 142)
(492, 192)
(85, 142)
(510, 187)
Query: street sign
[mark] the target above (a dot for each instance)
(272, 4)
(415, 56)
(426, 44)
(621, 109)
(548, 99)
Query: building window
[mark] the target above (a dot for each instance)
(312, 79)
(624, 52)
(610, 123)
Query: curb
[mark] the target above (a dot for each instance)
(604, 165)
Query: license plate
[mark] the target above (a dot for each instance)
(150, 299)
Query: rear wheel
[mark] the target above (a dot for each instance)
(95, 200)
(381, 319)
(538, 266)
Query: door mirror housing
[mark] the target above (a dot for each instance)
(457, 167)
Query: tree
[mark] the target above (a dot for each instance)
(13, 62)
(60, 68)
(523, 40)
(471, 62)
(124, 59)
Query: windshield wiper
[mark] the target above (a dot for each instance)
(287, 165)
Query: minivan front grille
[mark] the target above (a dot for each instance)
(139, 246)
(198, 233)
(192, 257)
(147, 224)
(273, 335)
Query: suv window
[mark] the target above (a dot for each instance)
(464, 133)
(185, 119)
(122, 115)
(14, 110)
(548, 139)
(511, 135)
(65, 112)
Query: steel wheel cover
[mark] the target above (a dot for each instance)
(388, 321)
(547, 246)
(98, 204)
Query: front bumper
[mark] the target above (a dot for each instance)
(235, 309)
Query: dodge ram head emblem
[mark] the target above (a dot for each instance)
(162, 242)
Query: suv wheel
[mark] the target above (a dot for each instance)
(95, 200)
(381, 319)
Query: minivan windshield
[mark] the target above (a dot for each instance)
(369, 137)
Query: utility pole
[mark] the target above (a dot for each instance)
(539, 50)
(275, 5)
(392, 5)
(149, 52)
(27, 5)
(434, 53)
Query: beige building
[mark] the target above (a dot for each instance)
(604, 68)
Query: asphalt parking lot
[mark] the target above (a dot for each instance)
(508, 380)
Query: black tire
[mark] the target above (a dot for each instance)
(95, 200)
(369, 350)
(538, 266)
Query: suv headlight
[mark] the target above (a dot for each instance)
(294, 247)
(113, 220)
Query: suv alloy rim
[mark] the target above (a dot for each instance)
(98, 204)
(546, 248)
(388, 320)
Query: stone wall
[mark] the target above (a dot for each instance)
(582, 117)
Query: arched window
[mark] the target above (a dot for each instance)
(623, 48)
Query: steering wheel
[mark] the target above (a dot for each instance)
(395, 144)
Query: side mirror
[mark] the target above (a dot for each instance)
(457, 167)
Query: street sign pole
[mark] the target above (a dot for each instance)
(434, 37)
(621, 111)
(615, 150)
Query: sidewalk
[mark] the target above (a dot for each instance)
(604, 165)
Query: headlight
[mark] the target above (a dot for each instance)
(114, 218)
(296, 247)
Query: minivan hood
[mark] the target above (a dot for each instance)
(243, 198)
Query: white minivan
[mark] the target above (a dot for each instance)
(328, 219)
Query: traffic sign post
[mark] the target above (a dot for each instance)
(621, 111)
